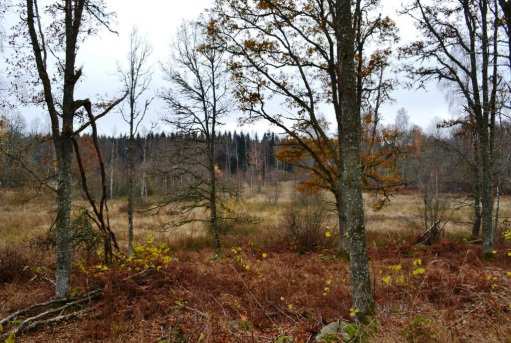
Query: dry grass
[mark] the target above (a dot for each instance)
(26, 215)
(459, 298)
(199, 296)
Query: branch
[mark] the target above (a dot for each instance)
(99, 116)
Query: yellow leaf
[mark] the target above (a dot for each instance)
(354, 312)
(396, 268)
(11, 338)
(419, 271)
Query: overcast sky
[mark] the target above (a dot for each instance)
(158, 21)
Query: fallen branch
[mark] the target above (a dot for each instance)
(40, 319)
(57, 319)
(21, 312)
(48, 308)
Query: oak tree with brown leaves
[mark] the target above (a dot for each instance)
(297, 62)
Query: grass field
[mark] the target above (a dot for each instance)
(260, 288)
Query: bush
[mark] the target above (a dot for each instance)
(305, 221)
(86, 237)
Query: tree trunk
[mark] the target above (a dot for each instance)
(342, 247)
(497, 210)
(112, 170)
(143, 183)
(131, 193)
(486, 193)
(63, 234)
(351, 174)
(476, 226)
(212, 198)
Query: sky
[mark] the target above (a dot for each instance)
(158, 21)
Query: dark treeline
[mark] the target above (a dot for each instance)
(249, 159)
(240, 156)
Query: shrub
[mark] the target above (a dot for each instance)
(86, 237)
(305, 221)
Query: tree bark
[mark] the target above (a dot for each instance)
(476, 226)
(63, 234)
(64, 147)
(476, 188)
(497, 210)
(212, 199)
(131, 191)
(486, 192)
(351, 174)
(342, 247)
(112, 170)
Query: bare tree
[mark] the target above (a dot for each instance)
(136, 79)
(465, 147)
(429, 182)
(460, 48)
(505, 5)
(198, 98)
(56, 39)
(3, 11)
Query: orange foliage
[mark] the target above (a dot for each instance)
(380, 154)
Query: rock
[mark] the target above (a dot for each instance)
(332, 331)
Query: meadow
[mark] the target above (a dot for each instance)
(263, 287)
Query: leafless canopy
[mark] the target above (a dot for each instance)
(198, 101)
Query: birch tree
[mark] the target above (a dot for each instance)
(136, 79)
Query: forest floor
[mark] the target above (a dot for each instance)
(261, 288)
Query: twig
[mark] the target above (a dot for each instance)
(37, 319)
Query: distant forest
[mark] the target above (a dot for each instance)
(244, 159)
